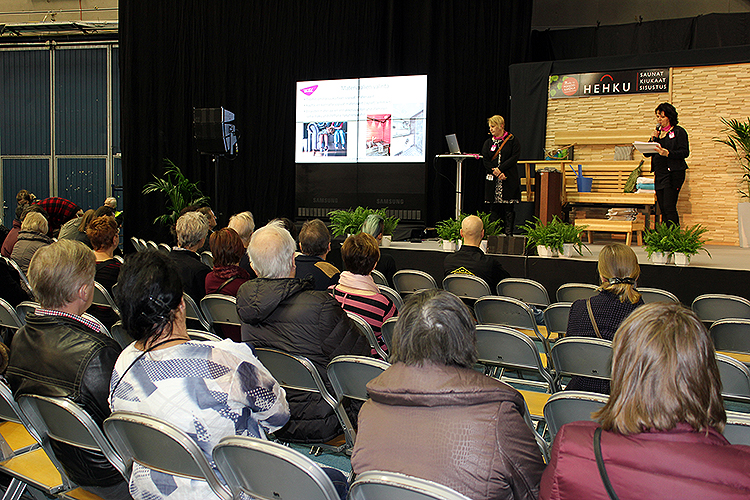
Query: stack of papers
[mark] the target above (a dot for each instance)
(628, 214)
(646, 147)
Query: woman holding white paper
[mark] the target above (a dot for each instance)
(668, 163)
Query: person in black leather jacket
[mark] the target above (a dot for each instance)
(285, 313)
(60, 354)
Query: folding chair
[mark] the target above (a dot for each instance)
(381, 485)
(525, 290)
(466, 287)
(408, 281)
(62, 420)
(192, 312)
(650, 295)
(267, 470)
(349, 376)
(203, 336)
(570, 292)
(207, 258)
(379, 278)
(735, 379)
(508, 311)
(393, 295)
(556, 318)
(103, 298)
(159, 445)
(220, 309)
(366, 331)
(715, 306)
(151, 245)
(298, 373)
(386, 331)
(121, 335)
(9, 318)
(731, 335)
(21, 274)
(164, 248)
(504, 348)
(137, 244)
(26, 307)
(737, 430)
(570, 406)
(582, 357)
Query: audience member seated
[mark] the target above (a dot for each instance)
(244, 224)
(227, 276)
(470, 259)
(111, 202)
(12, 237)
(374, 225)
(59, 210)
(283, 312)
(31, 237)
(11, 288)
(105, 237)
(431, 415)
(210, 390)
(211, 218)
(69, 230)
(661, 427)
(191, 229)
(315, 243)
(356, 290)
(600, 315)
(60, 354)
(80, 233)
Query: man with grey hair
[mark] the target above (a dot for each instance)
(244, 224)
(192, 228)
(283, 312)
(58, 353)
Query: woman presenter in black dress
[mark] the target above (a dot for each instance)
(500, 157)
(668, 163)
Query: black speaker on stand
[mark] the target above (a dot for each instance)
(215, 135)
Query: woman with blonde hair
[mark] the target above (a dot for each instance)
(660, 433)
(600, 315)
(500, 155)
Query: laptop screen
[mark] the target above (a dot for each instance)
(453, 144)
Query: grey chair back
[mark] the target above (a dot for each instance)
(26, 307)
(737, 429)
(366, 331)
(207, 258)
(298, 373)
(525, 290)
(731, 335)
(381, 485)
(102, 329)
(220, 309)
(570, 406)
(466, 287)
(103, 298)
(386, 331)
(193, 312)
(201, 336)
(570, 292)
(735, 379)
(650, 295)
(121, 335)
(21, 274)
(137, 244)
(408, 281)
(164, 248)
(715, 306)
(64, 421)
(393, 295)
(9, 317)
(151, 245)
(120, 259)
(581, 356)
(379, 278)
(556, 318)
(266, 470)
(508, 311)
(502, 347)
(159, 445)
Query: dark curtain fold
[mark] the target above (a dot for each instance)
(246, 56)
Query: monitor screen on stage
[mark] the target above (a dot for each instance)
(375, 120)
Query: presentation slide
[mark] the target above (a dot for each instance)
(361, 120)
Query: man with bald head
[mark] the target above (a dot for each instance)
(470, 259)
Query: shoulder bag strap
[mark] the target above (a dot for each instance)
(591, 316)
(501, 147)
(225, 283)
(600, 464)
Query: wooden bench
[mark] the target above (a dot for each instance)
(613, 226)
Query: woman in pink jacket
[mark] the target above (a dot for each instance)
(660, 433)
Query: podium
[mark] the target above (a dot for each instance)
(459, 158)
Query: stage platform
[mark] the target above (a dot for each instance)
(727, 270)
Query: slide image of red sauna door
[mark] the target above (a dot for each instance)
(378, 135)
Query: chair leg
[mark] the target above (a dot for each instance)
(639, 235)
(629, 238)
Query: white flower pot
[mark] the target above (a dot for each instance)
(568, 249)
(682, 259)
(743, 222)
(661, 258)
(483, 245)
(546, 251)
(448, 245)
(386, 241)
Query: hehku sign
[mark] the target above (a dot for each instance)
(614, 83)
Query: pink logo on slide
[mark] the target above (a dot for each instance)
(309, 90)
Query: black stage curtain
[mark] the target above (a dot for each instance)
(246, 56)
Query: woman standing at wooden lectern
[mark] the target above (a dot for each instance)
(668, 163)
(500, 157)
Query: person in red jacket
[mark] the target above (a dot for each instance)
(661, 428)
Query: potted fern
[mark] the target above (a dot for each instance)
(449, 232)
(688, 242)
(571, 237)
(178, 189)
(738, 138)
(389, 225)
(660, 242)
(346, 222)
(544, 236)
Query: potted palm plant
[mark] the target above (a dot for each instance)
(178, 189)
(544, 236)
(688, 242)
(738, 138)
